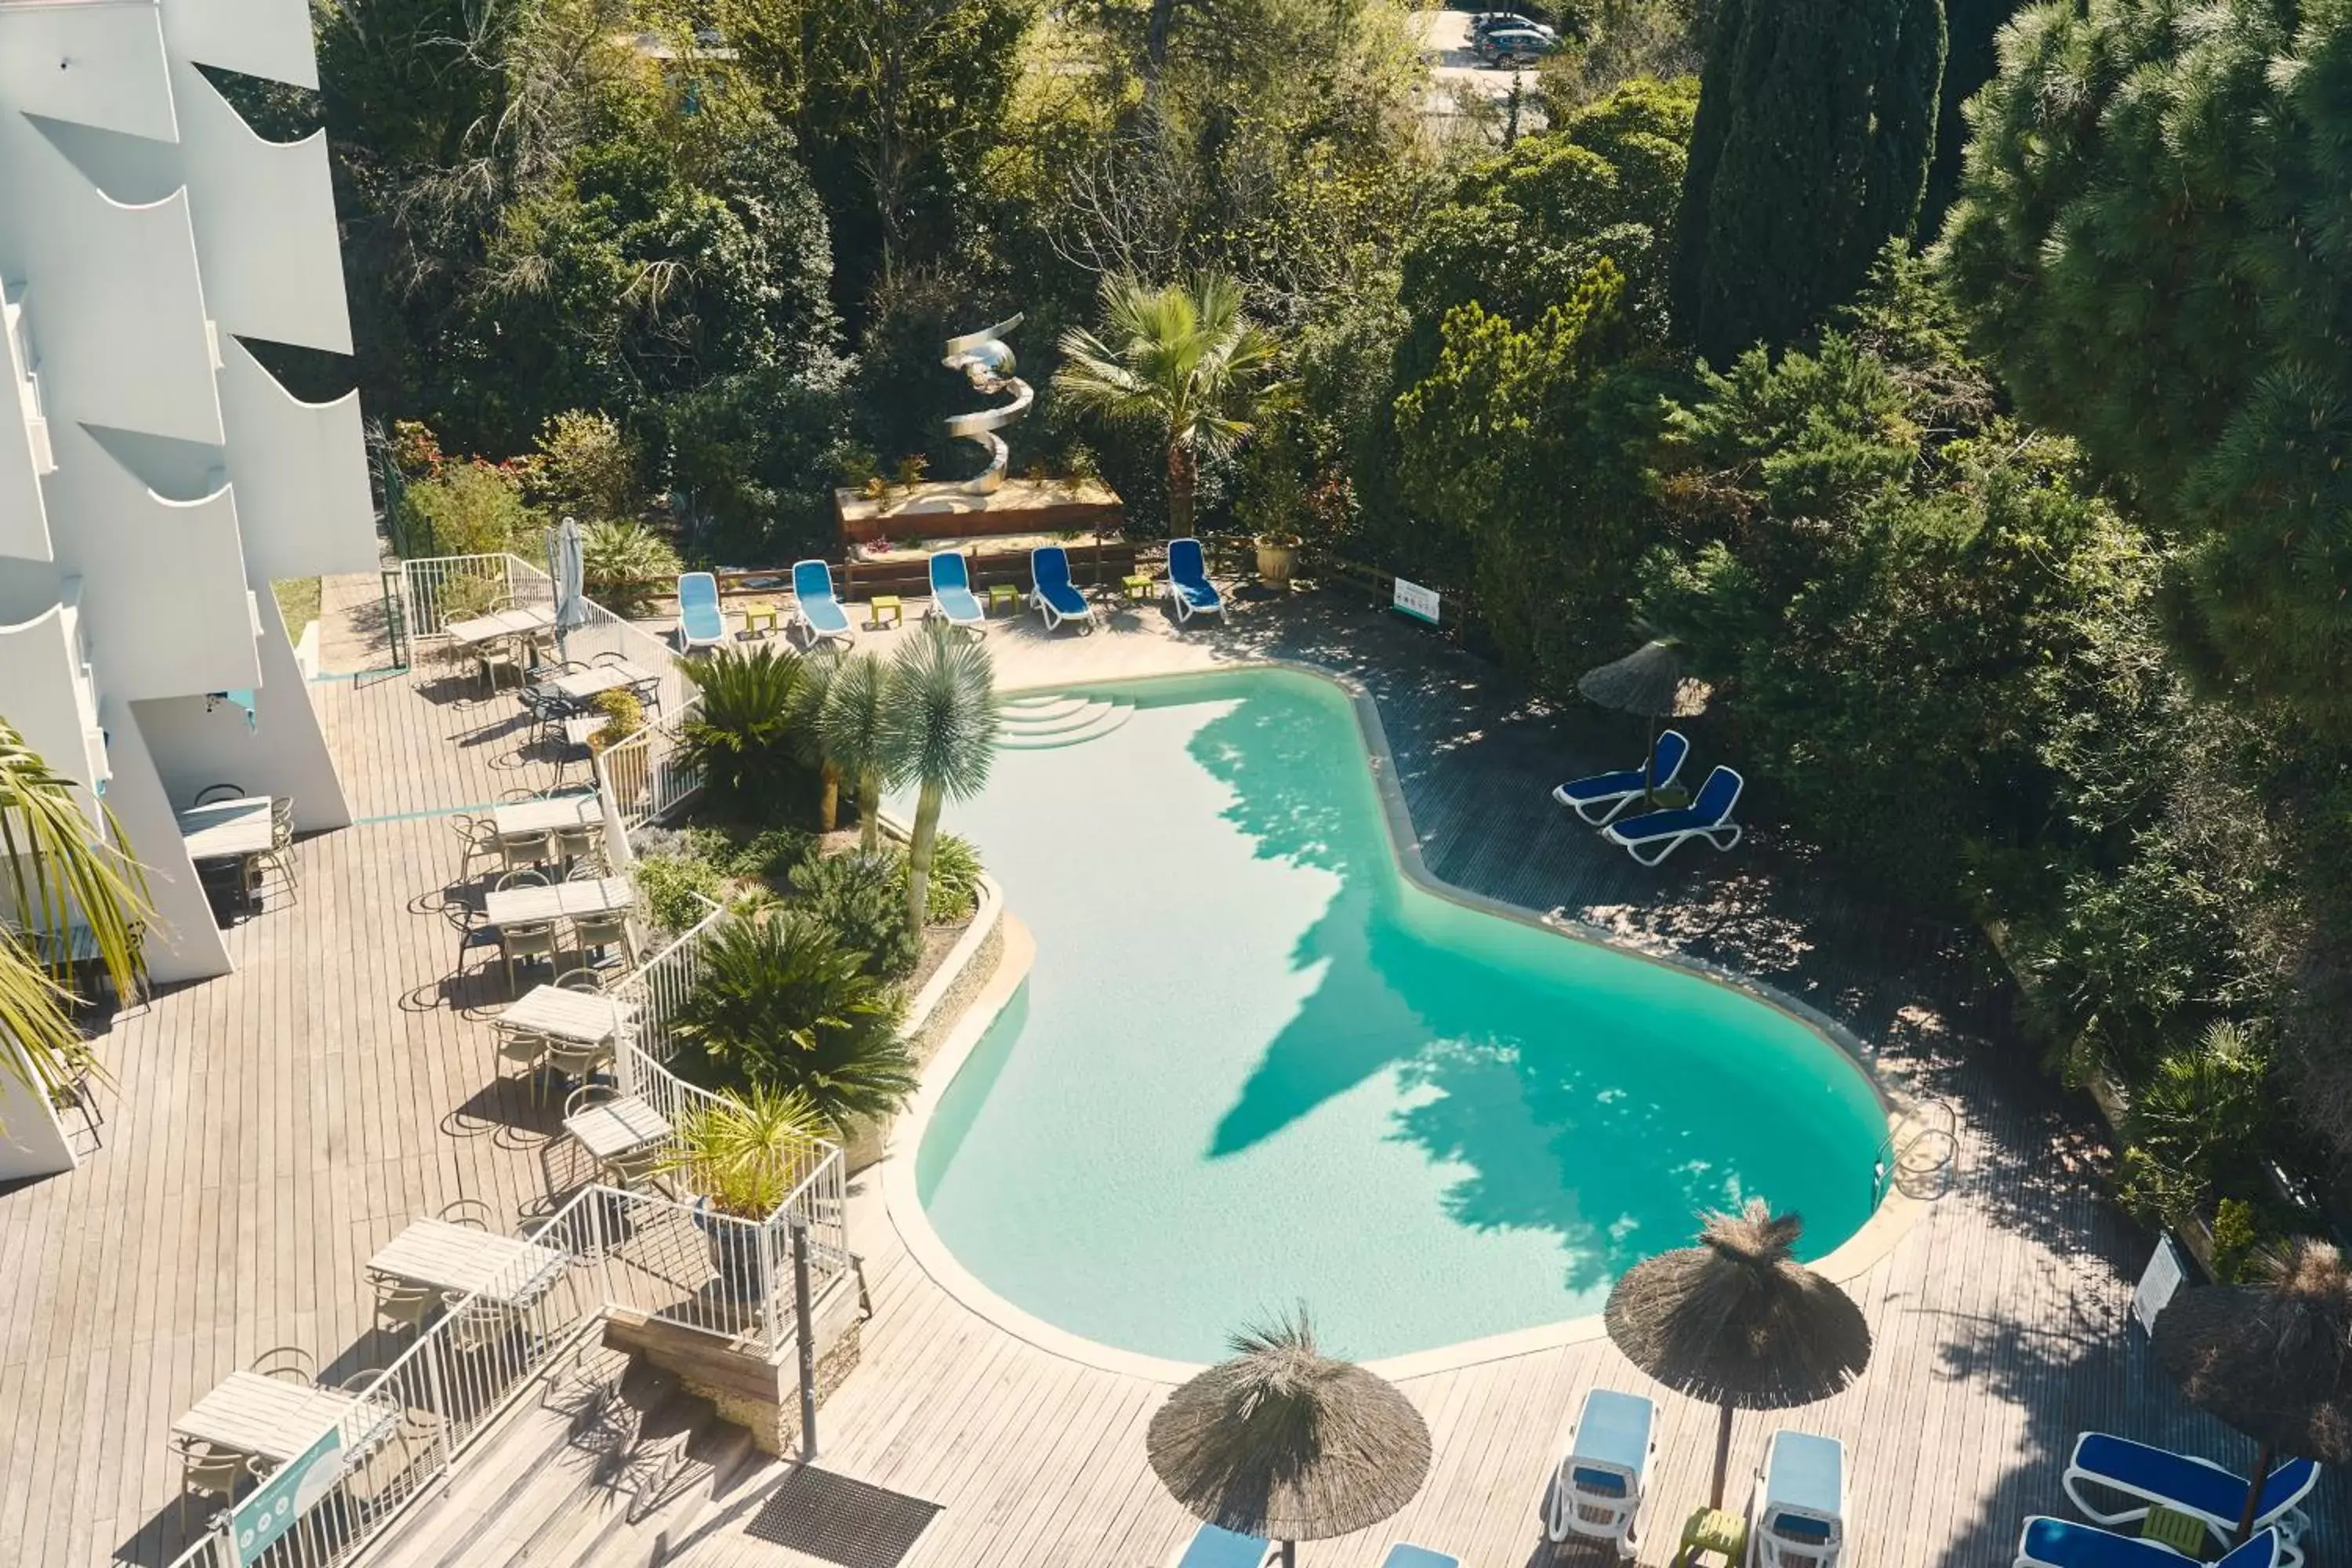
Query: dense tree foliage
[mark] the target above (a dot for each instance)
(1816, 121)
(2153, 238)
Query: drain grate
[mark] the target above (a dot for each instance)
(840, 1521)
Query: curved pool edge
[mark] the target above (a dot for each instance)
(1889, 1222)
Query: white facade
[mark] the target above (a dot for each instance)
(155, 478)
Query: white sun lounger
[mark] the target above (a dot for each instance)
(1597, 1489)
(1796, 1515)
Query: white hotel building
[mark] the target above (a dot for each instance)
(154, 479)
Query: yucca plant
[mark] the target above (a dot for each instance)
(850, 728)
(58, 876)
(817, 672)
(747, 1153)
(782, 1004)
(938, 733)
(624, 565)
(741, 736)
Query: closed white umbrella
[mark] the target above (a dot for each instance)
(566, 569)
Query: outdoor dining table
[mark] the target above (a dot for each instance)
(227, 829)
(616, 1128)
(514, 623)
(560, 900)
(581, 1017)
(582, 685)
(271, 1418)
(550, 815)
(468, 1262)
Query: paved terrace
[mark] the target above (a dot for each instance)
(275, 1127)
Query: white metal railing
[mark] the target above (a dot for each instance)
(438, 589)
(657, 988)
(651, 774)
(602, 632)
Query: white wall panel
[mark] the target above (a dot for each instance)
(94, 64)
(37, 674)
(303, 504)
(185, 945)
(24, 519)
(260, 38)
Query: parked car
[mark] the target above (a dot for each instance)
(1514, 47)
(1481, 26)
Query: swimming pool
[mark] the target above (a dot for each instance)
(1253, 1064)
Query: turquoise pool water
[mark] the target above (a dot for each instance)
(1253, 1065)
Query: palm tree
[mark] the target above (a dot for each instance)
(1181, 360)
(938, 732)
(850, 729)
(59, 877)
(817, 672)
(742, 736)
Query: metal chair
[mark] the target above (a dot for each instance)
(581, 979)
(599, 932)
(526, 876)
(213, 795)
(471, 1213)
(403, 1306)
(287, 1363)
(579, 845)
(517, 851)
(522, 942)
(477, 1324)
(208, 1471)
(281, 852)
(578, 1062)
(529, 1048)
(478, 836)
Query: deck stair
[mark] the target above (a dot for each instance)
(1062, 718)
(611, 1458)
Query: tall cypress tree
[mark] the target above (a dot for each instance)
(1816, 121)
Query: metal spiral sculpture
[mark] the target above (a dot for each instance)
(986, 361)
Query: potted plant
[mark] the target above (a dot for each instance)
(1278, 557)
(742, 1157)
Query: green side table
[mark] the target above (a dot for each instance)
(756, 616)
(2169, 1527)
(1139, 587)
(888, 604)
(1710, 1532)
(1002, 596)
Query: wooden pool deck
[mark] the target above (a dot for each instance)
(272, 1127)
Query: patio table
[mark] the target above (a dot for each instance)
(534, 816)
(584, 685)
(268, 1417)
(519, 622)
(581, 1017)
(227, 829)
(616, 1128)
(580, 727)
(468, 1262)
(560, 900)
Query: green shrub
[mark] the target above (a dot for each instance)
(742, 736)
(2199, 1114)
(783, 1005)
(771, 852)
(954, 889)
(2235, 1237)
(674, 886)
(625, 566)
(863, 898)
(746, 1154)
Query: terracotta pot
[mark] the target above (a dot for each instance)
(1274, 562)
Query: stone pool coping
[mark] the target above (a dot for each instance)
(1889, 1222)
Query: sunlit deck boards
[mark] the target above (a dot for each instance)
(271, 1129)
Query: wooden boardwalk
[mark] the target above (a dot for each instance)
(273, 1128)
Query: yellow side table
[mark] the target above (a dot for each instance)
(1002, 596)
(2169, 1527)
(888, 604)
(1710, 1532)
(1139, 587)
(758, 615)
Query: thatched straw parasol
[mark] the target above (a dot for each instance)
(1652, 681)
(1286, 1443)
(2274, 1359)
(1739, 1322)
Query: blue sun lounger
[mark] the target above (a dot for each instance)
(1188, 582)
(2061, 1543)
(952, 591)
(699, 623)
(814, 607)
(1609, 793)
(1052, 592)
(1212, 1548)
(1404, 1554)
(2198, 1487)
(1656, 835)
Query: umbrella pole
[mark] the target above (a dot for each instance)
(1722, 1459)
(1290, 1555)
(1650, 766)
(2254, 1491)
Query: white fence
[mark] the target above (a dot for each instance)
(438, 589)
(649, 774)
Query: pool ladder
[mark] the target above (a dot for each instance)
(1922, 1147)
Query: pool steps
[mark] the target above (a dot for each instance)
(1043, 724)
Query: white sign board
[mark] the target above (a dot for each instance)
(2163, 1276)
(1416, 601)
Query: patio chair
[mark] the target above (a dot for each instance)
(521, 943)
(405, 1307)
(1653, 835)
(1050, 589)
(477, 838)
(280, 853)
(2047, 1543)
(287, 1363)
(206, 1471)
(526, 851)
(2150, 1477)
(1609, 793)
(576, 845)
(503, 654)
(577, 1062)
(1796, 1512)
(700, 622)
(952, 591)
(589, 867)
(471, 1213)
(477, 1324)
(814, 607)
(213, 794)
(1214, 1547)
(598, 934)
(1188, 582)
(622, 1171)
(583, 979)
(527, 1048)
(1603, 1479)
(526, 876)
